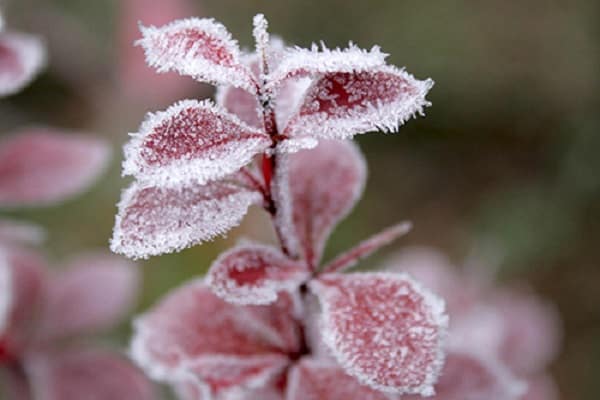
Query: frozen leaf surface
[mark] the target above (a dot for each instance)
(254, 274)
(467, 376)
(155, 220)
(93, 293)
(383, 329)
(241, 103)
(90, 374)
(325, 183)
(22, 56)
(191, 141)
(342, 104)
(195, 334)
(41, 166)
(351, 257)
(201, 48)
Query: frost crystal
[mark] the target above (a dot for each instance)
(254, 274)
(22, 56)
(155, 220)
(384, 329)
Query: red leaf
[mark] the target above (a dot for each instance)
(241, 103)
(201, 48)
(254, 274)
(22, 56)
(383, 329)
(325, 183)
(312, 379)
(90, 374)
(467, 376)
(155, 220)
(22, 284)
(41, 166)
(191, 141)
(194, 334)
(76, 298)
(351, 257)
(340, 105)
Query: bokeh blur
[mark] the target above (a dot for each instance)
(504, 168)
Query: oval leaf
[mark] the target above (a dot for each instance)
(22, 56)
(383, 329)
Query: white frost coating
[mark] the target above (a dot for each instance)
(293, 145)
(261, 38)
(346, 354)
(6, 292)
(230, 147)
(279, 273)
(343, 123)
(280, 190)
(179, 222)
(29, 55)
(168, 48)
(300, 62)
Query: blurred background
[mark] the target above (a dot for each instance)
(505, 163)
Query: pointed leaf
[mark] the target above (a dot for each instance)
(154, 220)
(201, 48)
(317, 208)
(254, 274)
(90, 374)
(311, 379)
(383, 329)
(468, 376)
(22, 56)
(77, 301)
(351, 257)
(299, 62)
(191, 141)
(193, 334)
(42, 166)
(341, 105)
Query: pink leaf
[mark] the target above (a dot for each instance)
(201, 48)
(254, 274)
(325, 184)
(194, 391)
(19, 232)
(467, 376)
(531, 332)
(42, 166)
(154, 220)
(351, 257)
(299, 62)
(383, 329)
(22, 56)
(340, 105)
(191, 141)
(93, 293)
(312, 379)
(241, 103)
(22, 283)
(90, 374)
(195, 334)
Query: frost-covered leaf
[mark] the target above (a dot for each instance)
(194, 391)
(22, 56)
(201, 48)
(351, 257)
(90, 374)
(325, 183)
(383, 329)
(241, 103)
(531, 331)
(312, 379)
(155, 220)
(254, 274)
(469, 376)
(20, 232)
(191, 141)
(193, 334)
(22, 283)
(340, 105)
(42, 166)
(299, 62)
(93, 293)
